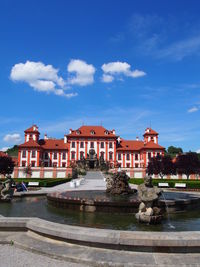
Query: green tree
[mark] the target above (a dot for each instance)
(172, 151)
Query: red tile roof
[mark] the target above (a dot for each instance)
(153, 145)
(53, 144)
(31, 129)
(86, 131)
(150, 131)
(45, 144)
(126, 145)
(132, 145)
(30, 143)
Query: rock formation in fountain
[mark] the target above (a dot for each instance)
(117, 184)
(148, 195)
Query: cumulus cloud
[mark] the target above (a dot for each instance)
(198, 150)
(41, 77)
(107, 78)
(12, 138)
(113, 69)
(194, 109)
(82, 73)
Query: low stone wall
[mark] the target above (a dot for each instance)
(42, 172)
(170, 242)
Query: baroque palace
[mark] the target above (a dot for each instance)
(53, 158)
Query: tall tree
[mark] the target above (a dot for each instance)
(172, 151)
(188, 164)
(6, 165)
(161, 165)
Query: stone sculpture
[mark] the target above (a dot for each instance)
(6, 191)
(117, 184)
(148, 195)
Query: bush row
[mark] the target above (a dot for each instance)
(43, 182)
(191, 184)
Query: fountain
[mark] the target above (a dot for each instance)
(118, 184)
(6, 190)
(148, 195)
(148, 202)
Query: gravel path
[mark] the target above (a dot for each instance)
(11, 256)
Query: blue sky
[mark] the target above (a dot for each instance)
(124, 64)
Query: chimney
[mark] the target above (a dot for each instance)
(113, 131)
(137, 138)
(65, 139)
(45, 136)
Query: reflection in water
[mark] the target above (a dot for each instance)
(38, 207)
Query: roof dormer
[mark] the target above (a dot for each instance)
(92, 132)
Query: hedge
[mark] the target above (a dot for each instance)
(43, 182)
(191, 184)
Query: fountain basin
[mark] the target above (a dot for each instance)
(97, 200)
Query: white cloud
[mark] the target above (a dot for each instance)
(194, 109)
(12, 138)
(4, 149)
(107, 78)
(112, 69)
(82, 73)
(198, 150)
(41, 77)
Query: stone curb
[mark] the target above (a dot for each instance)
(171, 242)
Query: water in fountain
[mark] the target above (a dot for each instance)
(171, 226)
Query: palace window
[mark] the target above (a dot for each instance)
(128, 157)
(73, 144)
(55, 155)
(119, 156)
(32, 163)
(102, 144)
(136, 156)
(23, 153)
(110, 145)
(46, 164)
(81, 155)
(23, 163)
(46, 155)
(102, 155)
(91, 144)
(63, 164)
(73, 155)
(82, 145)
(54, 164)
(110, 155)
(64, 155)
(136, 165)
(127, 165)
(33, 154)
(149, 155)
